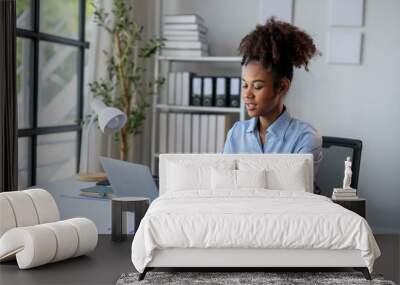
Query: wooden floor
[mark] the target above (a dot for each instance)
(111, 259)
(389, 262)
(103, 266)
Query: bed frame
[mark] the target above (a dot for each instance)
(249, 259)
(242, 259)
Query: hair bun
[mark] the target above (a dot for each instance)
(278, 44)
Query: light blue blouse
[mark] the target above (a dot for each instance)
(285, 135)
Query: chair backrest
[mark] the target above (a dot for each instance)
(283, 167)
(331, 170)
(26, 208)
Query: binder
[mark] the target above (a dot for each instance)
(212, 133)
(195, 94)
(234, 94)
(220, 133)
(208, 91)
(163, 131)
(203, 133)
(179, 133)
(221, 92)
(178, 88)
(196, 133)
(186, 82)
(171, 132)
(171, 88)
(163, 92)
(187, 136)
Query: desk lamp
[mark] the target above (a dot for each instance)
(110, 120)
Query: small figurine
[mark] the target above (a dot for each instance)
(347, 174)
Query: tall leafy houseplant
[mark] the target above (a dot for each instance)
(126, 87)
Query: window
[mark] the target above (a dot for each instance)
(50, 84)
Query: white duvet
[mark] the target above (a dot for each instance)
(250, 219)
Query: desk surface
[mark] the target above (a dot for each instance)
(71, 204)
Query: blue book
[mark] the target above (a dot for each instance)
(100, 191)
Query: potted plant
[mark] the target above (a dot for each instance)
(126, 87)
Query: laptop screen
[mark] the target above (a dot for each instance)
(129, 179)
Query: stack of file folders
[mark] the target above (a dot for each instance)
(185, 36)
(98, 191)
(344, 194)
(193, 133)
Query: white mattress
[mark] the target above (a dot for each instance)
(250, 219)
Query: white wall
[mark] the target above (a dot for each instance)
(357, 101)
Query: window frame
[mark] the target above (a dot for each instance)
(36, 37)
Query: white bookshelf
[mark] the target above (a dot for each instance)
(166, 62)
(197, 109)
(202, 59)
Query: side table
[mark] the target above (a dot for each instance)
(357, 205)
(136, 205)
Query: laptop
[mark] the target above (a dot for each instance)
(129, 179)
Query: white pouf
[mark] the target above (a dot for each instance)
(31, 232)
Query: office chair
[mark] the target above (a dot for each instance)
(331, 170)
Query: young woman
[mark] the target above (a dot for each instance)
(269, 54)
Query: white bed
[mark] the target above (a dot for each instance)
(227, 217)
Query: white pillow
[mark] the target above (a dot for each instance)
(293, 178)
(282, 174)
(236, 179)
(251, 178)
(189, 175)
(223, 179)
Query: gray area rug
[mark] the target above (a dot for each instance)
(228, 278)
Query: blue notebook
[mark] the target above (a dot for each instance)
(100, 191)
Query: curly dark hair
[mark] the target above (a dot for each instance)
(278, 46)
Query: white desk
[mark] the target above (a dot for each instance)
(72, 205)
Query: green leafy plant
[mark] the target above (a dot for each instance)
(126, 87)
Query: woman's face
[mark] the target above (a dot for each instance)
(258, 91)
